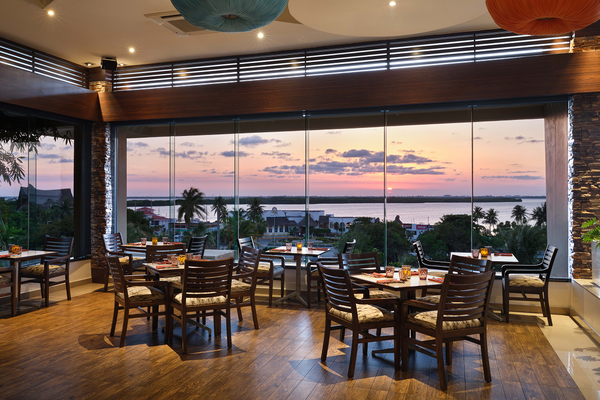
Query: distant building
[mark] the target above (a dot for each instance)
(42, 198)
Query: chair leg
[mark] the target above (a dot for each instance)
(47, 290)
(217, 324)
(68, 286)
(326, 339)
(228, 326)
(353, 351)
(183, 332)
(13, 300)
(505, 302)
(484, 357)
(365, 347)
(282, 277)
(19, 288)
(271, 290)
(42, 289)
(254, 314)
(114, 321)
(547, 304)
(404, 343)
(397, 339)
(239, 309)
(440, 363)
(155, 318)
(342, 333)
(106, 281)
(308, 287)
(449, 353)
(125, 321)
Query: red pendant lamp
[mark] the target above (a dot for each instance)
(543, 17)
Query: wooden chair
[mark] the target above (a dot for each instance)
(534, 282)
(50, 267)
(205, 291)
(312, 271)
(460, 314)
(7, 280)
(270, 268)
(356, 314)
(243, 284)
(429, 264)
(196, 245)
(157, 253)
(135, 294)
(358, 263)
(112, 246)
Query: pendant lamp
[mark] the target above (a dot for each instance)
(230, 15)
(543, 17)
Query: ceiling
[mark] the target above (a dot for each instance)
(85, 30)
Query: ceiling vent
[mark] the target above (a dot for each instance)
(175, 23)
(39, 3)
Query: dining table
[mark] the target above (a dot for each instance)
(298, 254)
(17, 259)
(209, 254)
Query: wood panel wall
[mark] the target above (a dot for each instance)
(38, 92)
(517, 78)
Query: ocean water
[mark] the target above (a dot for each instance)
(419, 213)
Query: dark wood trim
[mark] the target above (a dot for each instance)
(592, 30)
(38, 92)
(505, 79)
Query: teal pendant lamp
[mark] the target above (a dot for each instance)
(230, 15)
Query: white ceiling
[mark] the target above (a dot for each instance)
(85, 30)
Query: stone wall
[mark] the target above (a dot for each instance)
(584, 175)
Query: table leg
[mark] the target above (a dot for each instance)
(296, 295)
(15, 294)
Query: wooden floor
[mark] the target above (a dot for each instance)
(64, 351)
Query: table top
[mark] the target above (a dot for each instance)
(138, 246)
(156, 268)
(27, 255)
(413, 283)
(495, 257)
(317, 251)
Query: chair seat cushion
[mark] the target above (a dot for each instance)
(200, 301)
(264, 268)
(174, 278)
(377, 294)
(5, 279)
(428, 319)
(525, 280)
(433, 299)
(39, 270)
(366, 313)
(315, 273)
(143, 293)
(239, 286)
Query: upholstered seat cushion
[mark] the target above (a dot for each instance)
(525, 280)
(433, 299)
(239, 286)
(428, 319)
(5, 279)
(39, 270)
(143, 293)
(315, 273)
(265, 267)
(200, 301)
(175, 278)
(366, 313)
(377, 294)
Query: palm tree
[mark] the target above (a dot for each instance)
(491, 218)
(478, 214)
(519, 213)
(220, 207)
(191, 205)
(539, 214)
(255, 209)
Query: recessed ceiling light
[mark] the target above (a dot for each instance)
(392, 3)
(88, 64)
(261, 35)
(131, 50)
(121, 65)
(50, 12)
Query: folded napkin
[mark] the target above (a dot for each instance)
(377, 275)
(387, 281)
(503, 254)
(436, 279)
(5, 255)
(176, 243)
(320, 248)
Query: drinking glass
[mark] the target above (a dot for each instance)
(197, 257)
(310, 245)
(405, 273)
(165, 240)
(423, 273)
(389, 271)
(299, 245)
(174, 260)
(288, 246)
(155, 241)
(181, 259)
(189, 256)
(11, 249)
(475, 253)
(484, 252)
(143, 241)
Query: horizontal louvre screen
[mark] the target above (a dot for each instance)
(43, 64)
(396, 54)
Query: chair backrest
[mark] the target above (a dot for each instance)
(112, 241)
(467, 265)
(548, 261)
(196, 245)
(465, 297)
(116, 271)
(207, 278)
(63, 246)
(246, 241)
(248, 265)
(357, 263)
(160, 252)
(349, 247)
(419, 252)
(338, 289)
